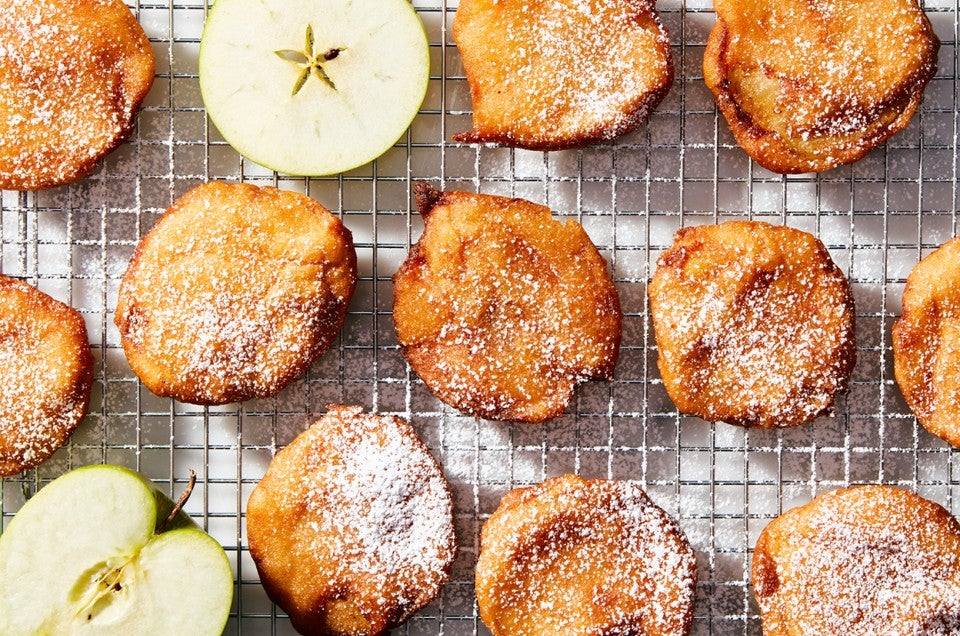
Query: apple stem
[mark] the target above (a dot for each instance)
(180, 502)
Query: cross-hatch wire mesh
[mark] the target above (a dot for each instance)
(723, 483)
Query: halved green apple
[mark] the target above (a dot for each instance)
(313, 87)
(96, 552)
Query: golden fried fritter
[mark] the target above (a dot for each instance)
(352, 526)
(553, 74)
(926, 342)
(234, 293)
(807, 85)
(584, 558)
(72, 75)
(754, 324)
(46, 371)
(501, 310)
(860, 562)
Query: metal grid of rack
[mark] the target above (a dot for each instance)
(877, 218)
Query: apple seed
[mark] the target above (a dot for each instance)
(309, 62)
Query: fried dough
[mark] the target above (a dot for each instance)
(584, 558)
(72, 75)
(502, 310)
(754, 324)
(46, 371)
(351, 528)
(807, 85)
(553, 74)
(926, 342)
(234, 293)
(860, 562)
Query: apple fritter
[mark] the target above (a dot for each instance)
(584, 558)
(554, 74)
(860, 561)
(926, 342)
(46, 371)
(234, 293)
(807, 85)
(351, 528)
(754, 324)
(72, 75)
(502, 310)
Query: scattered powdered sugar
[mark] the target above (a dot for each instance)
(861, 562)
(579, 557)
(72, 75)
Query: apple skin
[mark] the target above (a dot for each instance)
(100, 522)
(381, 74)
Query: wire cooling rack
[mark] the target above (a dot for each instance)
(723, 483)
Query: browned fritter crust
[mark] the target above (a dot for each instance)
(584, 558)
(926, 342)
(351, 528)
(554, 74)
(807, 85)
(72, 75)
(501, 310)
(46, 371)
(234, 293)
(860, 562)
(754, 324)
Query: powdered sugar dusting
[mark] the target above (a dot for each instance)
(926, 342)
(862, 561)
(234, 293)
(582, 557)
(754, 324)
(72, 75)
(45, 375)
(560, 73)
(354, 511)
(391, 505)
(815, 83)
(502, 311)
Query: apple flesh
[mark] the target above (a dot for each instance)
(313, 87)
(83, 556)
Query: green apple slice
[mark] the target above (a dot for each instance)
(84, 556)
(313, 87)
